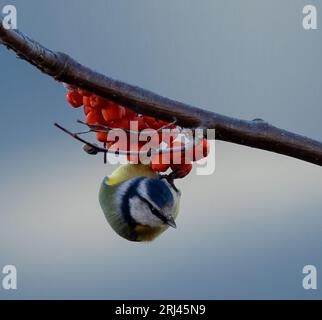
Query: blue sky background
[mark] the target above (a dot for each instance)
(244, 232)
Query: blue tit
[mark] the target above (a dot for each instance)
(137, 203)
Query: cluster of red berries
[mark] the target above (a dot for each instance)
(100, 111)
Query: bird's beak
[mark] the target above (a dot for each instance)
(171, 223)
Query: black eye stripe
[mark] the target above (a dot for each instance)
(153, 209)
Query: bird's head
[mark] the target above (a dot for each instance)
(148, 201)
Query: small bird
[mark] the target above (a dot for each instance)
(138, 204)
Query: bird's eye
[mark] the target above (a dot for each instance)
(154, 210)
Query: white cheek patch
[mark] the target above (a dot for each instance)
(141, 213)
(122, 189)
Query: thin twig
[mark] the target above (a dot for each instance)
(197, 139)
(95, 127)
(256, 134)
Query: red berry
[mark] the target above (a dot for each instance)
(181, 169)
(87, 105)
(154, 123)
(94, 118)
(87, 110)
(101, 136)
(87, 101)
(75, 99)
(123, 124)
(160, 162)
(129, 114)
(97, 102)
(149, 120)
(112, 112)
(84, 93)
(160, 167)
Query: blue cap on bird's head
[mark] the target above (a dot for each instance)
(158, 191)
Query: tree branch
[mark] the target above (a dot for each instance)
(256, 133)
